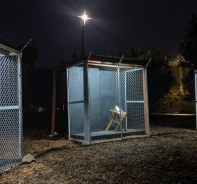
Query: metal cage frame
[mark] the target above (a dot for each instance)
(82, 101)
(195, 80)
(10, 108)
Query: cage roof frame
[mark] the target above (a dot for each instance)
(8, 49)
(103, 59)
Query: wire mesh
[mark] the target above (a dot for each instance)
(10, 125)
(108, 86)
(103, 96)
(76, 102)
(135, 99)
(111, 86)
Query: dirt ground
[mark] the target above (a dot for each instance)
(169, 155)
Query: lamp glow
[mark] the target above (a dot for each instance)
(84, 17)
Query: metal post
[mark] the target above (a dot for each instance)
(84, 17)
(82, 41)
(86, 104)
(119, 88)
(145, 91)
(68, 100)
(195, 77)
(53, 104)
(20, 104)
(25, 45)
(125, 94)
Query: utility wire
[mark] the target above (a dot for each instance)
(9, 35)
(12, 39)
(13, 31)
(7, 40)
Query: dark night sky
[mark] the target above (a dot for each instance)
(56, 30)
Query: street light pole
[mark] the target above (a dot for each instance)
(82, 41)
(84, 17)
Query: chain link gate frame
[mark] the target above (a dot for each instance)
(10, 108)
(195, 80)
(101, 87)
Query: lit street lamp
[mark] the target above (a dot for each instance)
(84, 17)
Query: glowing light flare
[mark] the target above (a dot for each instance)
(84, 17)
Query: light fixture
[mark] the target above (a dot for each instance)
(84, 17)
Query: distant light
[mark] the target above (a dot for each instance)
(84, 17)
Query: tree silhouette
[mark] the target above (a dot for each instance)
(188, 52)
(160, 78)
(29, 57)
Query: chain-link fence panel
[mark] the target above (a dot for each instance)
(76, 102)
(134, 95)
(10, 112)
(103, 95)
(112, 89)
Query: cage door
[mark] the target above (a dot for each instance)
(134, 99)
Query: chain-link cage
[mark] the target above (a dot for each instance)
(111, 88)
(76, 102)
(116, 102)
(10, 112)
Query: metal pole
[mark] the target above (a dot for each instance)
(20, 105)
(145, 81)
(68, 100)
(86, 103)
(82, 41)
(119, 88)
(53, 104)
(84, 17)
(195, 75)
(25, 45)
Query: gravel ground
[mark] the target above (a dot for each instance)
(169, 155)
